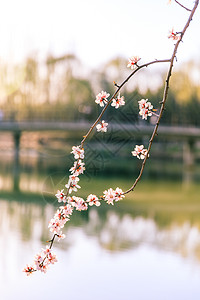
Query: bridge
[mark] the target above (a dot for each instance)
(139, 130)
(188, 135)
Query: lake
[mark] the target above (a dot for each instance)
(131, 251)
(145, 247)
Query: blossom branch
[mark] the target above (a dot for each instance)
(117, 91)
(165, 94)
(63, 213)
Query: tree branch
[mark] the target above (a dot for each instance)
(30, 269)
(182, 5)
(165, 94)
(117, 91)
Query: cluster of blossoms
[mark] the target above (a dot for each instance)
(175, 36)
(145, 108)
(47, 257)
(61, 196)
(102, 126)
(77, 169)
(61, 216)
(132, 62)
(78, 202)
(63, 213)
(93, 200)
(78, 152)
(72, 184)
(139, 151)
(101, 98)
(41, 261)
(111, 195)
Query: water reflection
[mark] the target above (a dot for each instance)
(107, 244)
(128, 232)
(114, 230)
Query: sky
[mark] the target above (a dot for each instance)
(95, 30)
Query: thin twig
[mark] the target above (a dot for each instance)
(52, 240)
(182, 5)
(165, 94)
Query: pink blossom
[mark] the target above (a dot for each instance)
(29, 270)
(80, 204)
(93, 200)
(101, 98)
(142, 103)
(43, 268)
(77, 202)
(54, 226)
(71, 200)
(74, 179)
(50, 257)
(145, 108)
(60, 236)
(61, 196)
(102, 126)
(118, 102)
(58, 222)
(109, 196)
(72, 184)
(43, 259)
(132, 62)
(139, 151)
(118, 194)
(145, 113)
(78, 168)
(78, 153)
(38, 261)
(174, 35)
(46, 251)
(67, 209)
(62, 214)
(145, 104)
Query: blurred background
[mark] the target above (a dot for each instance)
(55, 56)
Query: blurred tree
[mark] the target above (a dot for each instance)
(60, 89)
(185, 82)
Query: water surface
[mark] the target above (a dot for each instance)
(145, 247)
(107, 254)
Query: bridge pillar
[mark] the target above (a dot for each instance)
(16, 164)
(188, 161)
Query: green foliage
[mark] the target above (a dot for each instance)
(56, 91)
